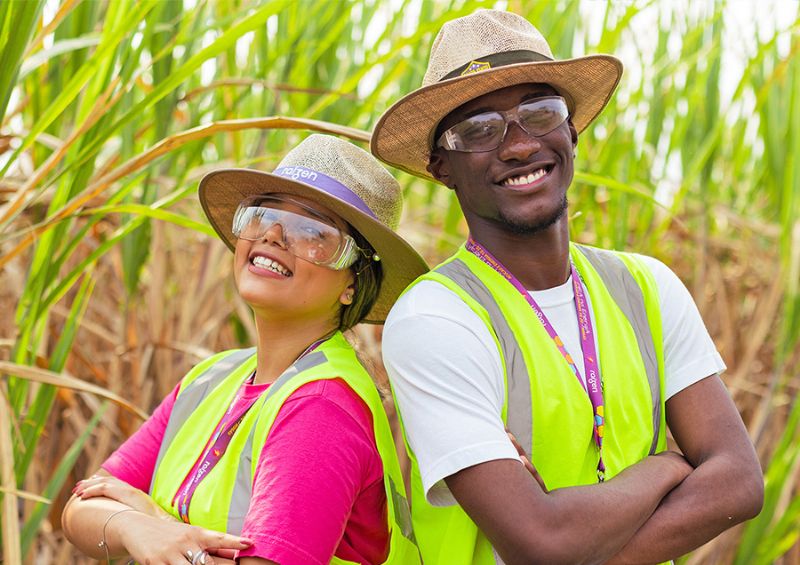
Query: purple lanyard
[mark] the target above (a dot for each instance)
(218, 444)
(592, 386)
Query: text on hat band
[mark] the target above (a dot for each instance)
(326, 184)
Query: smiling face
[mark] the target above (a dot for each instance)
(277, 284)
(521, 186)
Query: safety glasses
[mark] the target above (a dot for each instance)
(315, 239)
(486, 131)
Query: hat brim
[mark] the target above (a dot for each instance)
(403, 136)
(221, 192)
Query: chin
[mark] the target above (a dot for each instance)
(258, 299)
(530, 226)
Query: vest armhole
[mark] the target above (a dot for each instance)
(457, 276)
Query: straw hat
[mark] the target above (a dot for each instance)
(345, 179)
(477, 54)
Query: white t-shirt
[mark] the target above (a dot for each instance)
(448, 379)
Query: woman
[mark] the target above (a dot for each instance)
(285, 448)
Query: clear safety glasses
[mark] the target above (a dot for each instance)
(486, 131)
(314, 239)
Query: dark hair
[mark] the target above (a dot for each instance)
(367, 274)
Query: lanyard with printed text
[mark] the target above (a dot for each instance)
(218, 444)
(217, 448)
(592, 386)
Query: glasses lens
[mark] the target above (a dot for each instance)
(304, 237)
(312, 240)
(481, 132)
(541, 116)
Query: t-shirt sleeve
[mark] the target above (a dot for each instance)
(689, 352)
(447, 379)
(135, 460)
(319, 455)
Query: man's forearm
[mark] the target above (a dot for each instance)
(527, 525)
(620, 507)
(718, 495)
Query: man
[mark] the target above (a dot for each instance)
(584, 355)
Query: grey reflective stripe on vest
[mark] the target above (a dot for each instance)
(242, 489)
(629, 298)
(402, 512)
(520, 408)
(195, 392)
(243, 486)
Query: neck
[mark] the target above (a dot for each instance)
(280, 343)
(539, 260)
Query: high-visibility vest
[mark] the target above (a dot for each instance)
(222, 499)
(545, 406)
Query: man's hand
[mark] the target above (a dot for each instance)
(679, 460)
(526, 462)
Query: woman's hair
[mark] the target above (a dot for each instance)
(367, 276)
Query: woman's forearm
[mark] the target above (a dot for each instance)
(84, 520)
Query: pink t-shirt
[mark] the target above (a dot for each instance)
(318, 489)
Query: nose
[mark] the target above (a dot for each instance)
(274, 235)
(518, 144)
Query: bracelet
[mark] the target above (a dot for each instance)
(103, 542)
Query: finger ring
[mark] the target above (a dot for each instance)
(200, 558)
(189, 554)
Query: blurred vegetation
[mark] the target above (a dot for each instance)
(111, 111)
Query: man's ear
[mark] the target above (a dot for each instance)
(573, 133)
(439, 167)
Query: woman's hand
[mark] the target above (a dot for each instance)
(151, 540)
(115, 489)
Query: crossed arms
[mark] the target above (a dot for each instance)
(654, 511)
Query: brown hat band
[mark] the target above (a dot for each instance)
(496, 60)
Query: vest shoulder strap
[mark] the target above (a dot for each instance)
(192, 394)
(518, 386)
(628, 296)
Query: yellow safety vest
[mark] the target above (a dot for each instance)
(222, 499)
(545, 406)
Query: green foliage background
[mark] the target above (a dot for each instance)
(111, 111)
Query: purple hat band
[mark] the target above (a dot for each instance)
(325, 184)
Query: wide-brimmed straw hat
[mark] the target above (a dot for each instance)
(477, 54)
(341, 177)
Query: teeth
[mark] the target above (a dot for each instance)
(270, 265)
(525, 179)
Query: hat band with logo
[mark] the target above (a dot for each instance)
(496, 60)
(326, 184)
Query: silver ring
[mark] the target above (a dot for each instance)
(200, 558)
(189, 555)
